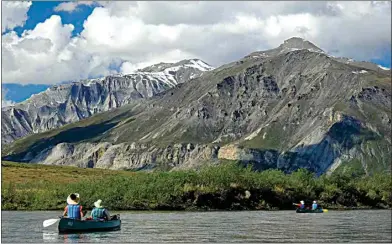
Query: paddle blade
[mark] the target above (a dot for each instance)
(49, 222)
(325, 210)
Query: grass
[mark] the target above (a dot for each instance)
(353, 165)
(379, 80)
(271, 140)
(228, 186)
(28, 173)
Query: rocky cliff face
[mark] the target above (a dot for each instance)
(287, 108)
(64, 104)
(126, 156)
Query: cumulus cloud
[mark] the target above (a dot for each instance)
(72, 6)
(14, 14)
(132, 35)
(57, 57)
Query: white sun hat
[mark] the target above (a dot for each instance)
(97, 204)
(76, 201)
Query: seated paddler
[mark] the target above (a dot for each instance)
(73, 210)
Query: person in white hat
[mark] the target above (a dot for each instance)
(73, 210)
(300, 205)
(99, 212)
(314, 205)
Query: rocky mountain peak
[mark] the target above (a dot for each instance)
(187, 63)
(289, 45)
(66, 103)
(297, 43)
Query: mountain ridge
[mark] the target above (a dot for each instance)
(289, 110)
(62, 104)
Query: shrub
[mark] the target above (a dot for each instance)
(219, 187)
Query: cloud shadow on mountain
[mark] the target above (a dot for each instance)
(340, 138)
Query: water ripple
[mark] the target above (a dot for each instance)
(224, 227)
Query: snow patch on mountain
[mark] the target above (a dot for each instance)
(67, 103)
(360, 72)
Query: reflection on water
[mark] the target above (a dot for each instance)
(54, 236)
(49, 236)
(255, 226)
(73, 238)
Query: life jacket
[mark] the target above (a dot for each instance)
(73, 211)
(302, 206)
(314, 206)
(98, 213)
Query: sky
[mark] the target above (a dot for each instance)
(14, 93)
(53, 42)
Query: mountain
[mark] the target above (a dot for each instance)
(289, 45)
(63, 104)
(287, 108)
(296, 43)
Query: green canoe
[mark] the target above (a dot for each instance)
(67, 225)
(308, 211)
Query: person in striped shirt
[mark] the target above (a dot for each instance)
(73, 210)
(99, 212)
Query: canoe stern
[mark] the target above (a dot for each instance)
(67, 225)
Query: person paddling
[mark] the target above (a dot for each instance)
(99, 212)
(73, 210)
(314, 205)
(300, 205)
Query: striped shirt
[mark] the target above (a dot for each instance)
(99, 213)
(73, 211)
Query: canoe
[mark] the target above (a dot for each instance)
(67, 225)
(308, 211)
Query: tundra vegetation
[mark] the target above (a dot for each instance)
(227, 186)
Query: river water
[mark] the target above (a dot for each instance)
(223, 227)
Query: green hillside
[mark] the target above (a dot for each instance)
(226, 187)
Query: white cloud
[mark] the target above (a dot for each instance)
(13, 14)
(38, 55)
(72, 6)
(133, 35)
(4, 101)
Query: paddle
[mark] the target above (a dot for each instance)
(49, 222)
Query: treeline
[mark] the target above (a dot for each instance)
(224, 187)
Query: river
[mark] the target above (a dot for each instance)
(245, 226)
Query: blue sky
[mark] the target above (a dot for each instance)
(385, 59)
(19, 93)
(40, 11)
(97, 39)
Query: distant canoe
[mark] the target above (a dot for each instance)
(308, 210)
(67, 225)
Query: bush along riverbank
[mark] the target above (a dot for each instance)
(224, 187)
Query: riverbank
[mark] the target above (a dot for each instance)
(224, 187)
